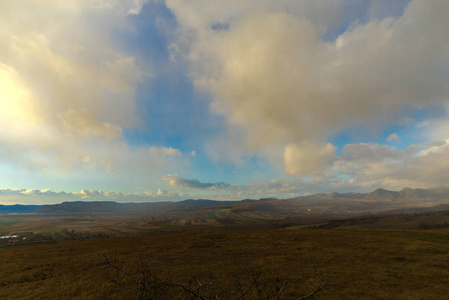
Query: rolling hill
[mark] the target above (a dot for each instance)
(332, 204)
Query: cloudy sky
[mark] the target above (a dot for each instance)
(152, 100)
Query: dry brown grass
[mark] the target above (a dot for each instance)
(355, 264)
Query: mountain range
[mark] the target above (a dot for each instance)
(435, 193)
(379, 200)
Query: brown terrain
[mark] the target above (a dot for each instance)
(255, 248)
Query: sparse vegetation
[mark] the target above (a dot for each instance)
(146, 284)
(359, 257)
(353, 263)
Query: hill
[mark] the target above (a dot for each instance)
(18, 208)
(332, 204)
(112, 207)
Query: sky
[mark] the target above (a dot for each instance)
(153, 100)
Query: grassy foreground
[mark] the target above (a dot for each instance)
(353, 263)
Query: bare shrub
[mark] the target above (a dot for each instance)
(144, 283)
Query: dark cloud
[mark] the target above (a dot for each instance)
(177, 181)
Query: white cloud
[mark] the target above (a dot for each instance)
(136, 6)
(434, 130)
(373, 165)
(393, 137)
(127, 165)
(83, 124)
(277, 82)
(68, 94)
(27, 196)
(359, 167)
(67, 91)
(164, 151)
(62, 86)
(276, 188)
(306, 158)
(367, 153)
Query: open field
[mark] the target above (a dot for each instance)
(51, 228)
(354, 264)
(82, 226)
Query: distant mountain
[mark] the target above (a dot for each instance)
(115, 207)
(18, 208)
(406, 194)
(415, 193)
(335, 195)
(382, 195)
(409, 194)
(200, 203)
(437, 193)
(81, 207)
(379, 200)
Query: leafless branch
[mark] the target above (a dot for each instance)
(313, 293)
(147, 285)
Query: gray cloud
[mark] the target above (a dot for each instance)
(175, 180)
(373, 165)
(306, 158)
